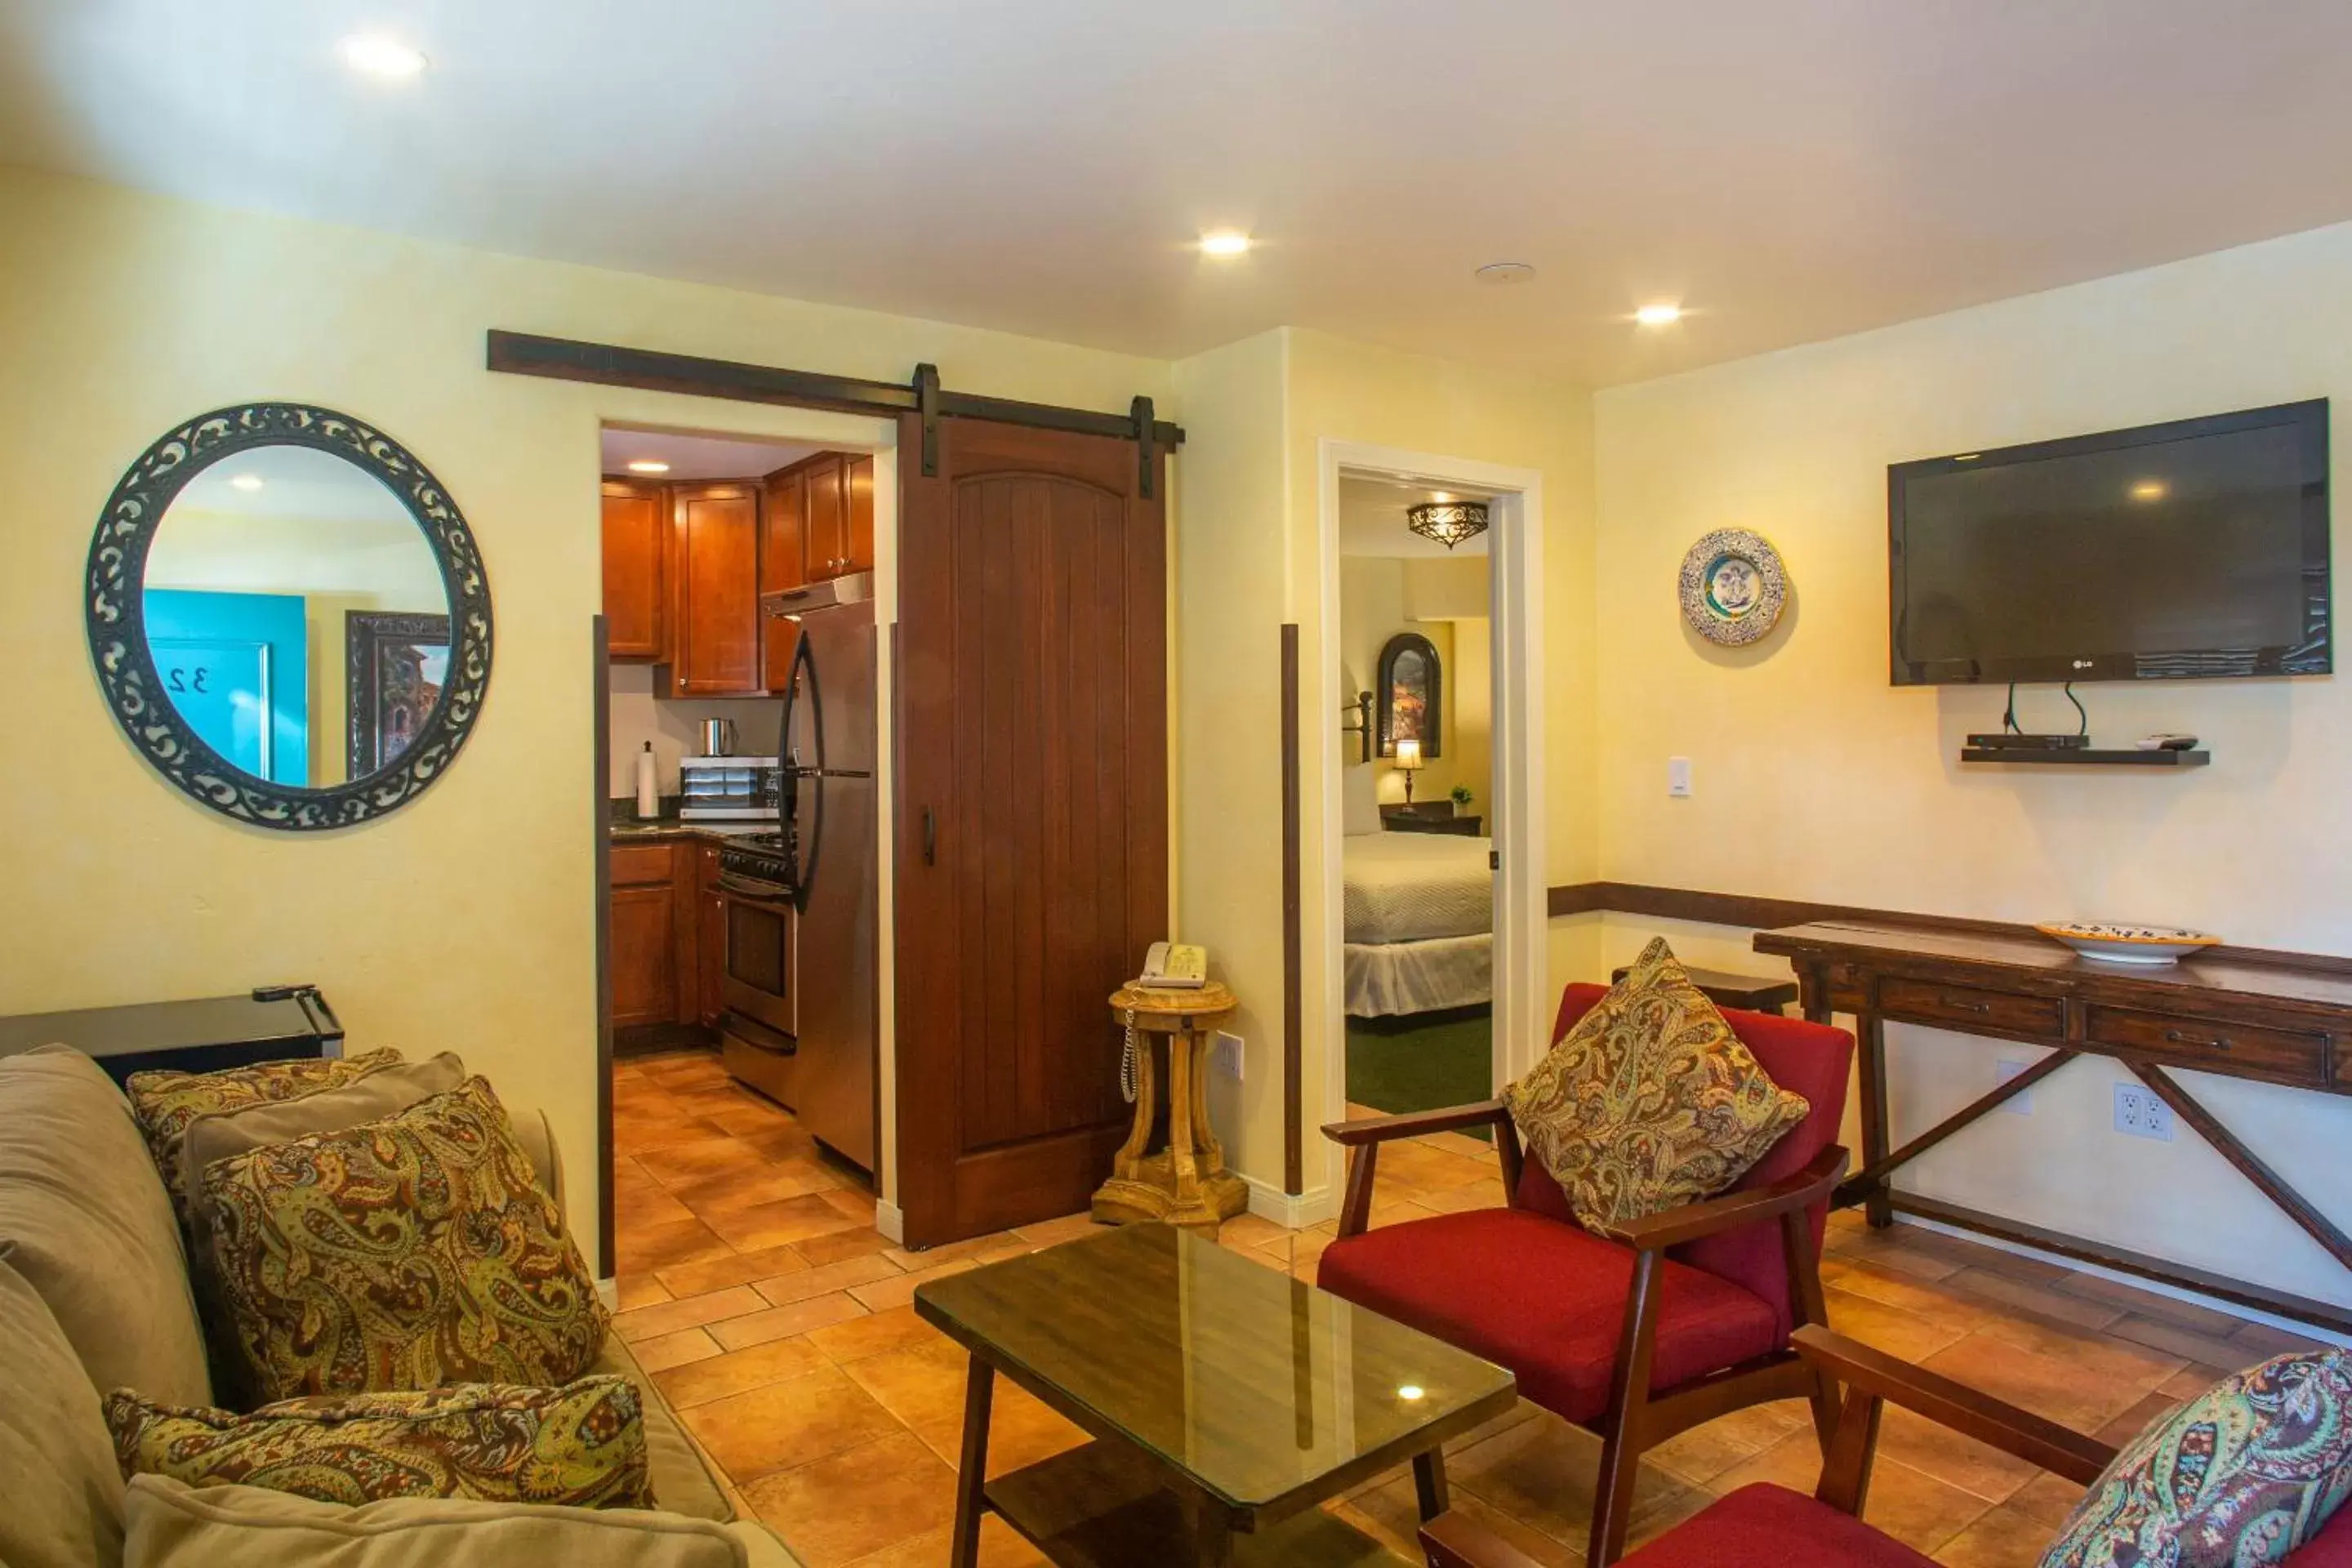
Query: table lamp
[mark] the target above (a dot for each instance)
(1407, 762)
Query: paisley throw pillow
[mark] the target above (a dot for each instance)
(1651, 1101)
(2242, 1475)
(163, 1102)
(582, 1446)
(407, 1253)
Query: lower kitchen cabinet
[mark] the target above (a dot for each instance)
(668, 931)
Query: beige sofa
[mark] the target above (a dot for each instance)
(94, 1296)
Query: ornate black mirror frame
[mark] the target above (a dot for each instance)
(1432, 726)
(126, 667)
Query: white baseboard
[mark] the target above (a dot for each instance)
(890, 1220)
(1292, 1212)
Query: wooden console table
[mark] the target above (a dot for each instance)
(2271, 1019)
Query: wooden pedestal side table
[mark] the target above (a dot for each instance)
(1186, 1184)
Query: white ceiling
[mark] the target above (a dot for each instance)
(1788, 171)
(698, 457)
(1372, 520)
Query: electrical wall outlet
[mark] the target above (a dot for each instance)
(1225, 1051)
(2140, 1114)
(2022, 1102)
(1678, 777)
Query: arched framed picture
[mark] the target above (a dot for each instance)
(1412, 695)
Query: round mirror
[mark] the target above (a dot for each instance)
(288, 617)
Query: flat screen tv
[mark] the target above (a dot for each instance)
(2194, 549)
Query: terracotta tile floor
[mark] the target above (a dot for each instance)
(755, 1290)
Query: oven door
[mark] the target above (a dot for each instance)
(761, 976)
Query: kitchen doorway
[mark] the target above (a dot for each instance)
(740, 834)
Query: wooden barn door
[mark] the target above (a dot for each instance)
(1032, 813)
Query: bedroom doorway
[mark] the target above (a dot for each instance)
(1414, 754)
(1432, 949)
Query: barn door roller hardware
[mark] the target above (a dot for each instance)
(565, 359)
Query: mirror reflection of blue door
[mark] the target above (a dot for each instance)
(236, 667)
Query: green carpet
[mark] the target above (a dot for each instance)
(1422, 1061)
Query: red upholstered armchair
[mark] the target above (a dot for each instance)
(1766, 1526)
(1641, 1331)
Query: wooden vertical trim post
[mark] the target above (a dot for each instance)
(601, 684)
(1293, 1089)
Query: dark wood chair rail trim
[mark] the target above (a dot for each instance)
(1758, 913)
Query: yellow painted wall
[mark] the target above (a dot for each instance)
(465, 919)
(1226, 655)
(1814, 778)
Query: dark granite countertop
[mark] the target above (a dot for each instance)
(626, 827)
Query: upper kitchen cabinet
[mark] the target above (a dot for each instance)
(860, 556)
(636, 597)
(715, 607)
(784, 497)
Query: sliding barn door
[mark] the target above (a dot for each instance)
(1032, 813)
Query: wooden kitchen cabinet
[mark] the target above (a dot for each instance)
(668, 933)
(644, 921)
(859, 482)
(784, 504)
(825, 538)
(636, 551)
(715, 607)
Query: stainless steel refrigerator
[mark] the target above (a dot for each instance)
(828, 752)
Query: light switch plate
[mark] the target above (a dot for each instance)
(1678, 777)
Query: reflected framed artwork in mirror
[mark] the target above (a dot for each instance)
(1412, 694)
(288, 617)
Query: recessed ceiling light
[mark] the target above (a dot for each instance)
(1658, 315)
(1410, 1390)
(649, 465)
(245, 481)
(2150, 490)
(378, 55)
(1224, 242)
(1504, 272)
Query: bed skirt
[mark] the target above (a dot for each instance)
(1387, 978)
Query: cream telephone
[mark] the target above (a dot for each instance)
(1167, 966)
(1174, 966)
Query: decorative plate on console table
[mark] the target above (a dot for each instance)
(2127, 944)
(1732, 587)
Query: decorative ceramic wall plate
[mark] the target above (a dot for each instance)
(1733, 586)
(2127, 944)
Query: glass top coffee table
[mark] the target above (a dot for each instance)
(1226, 1400)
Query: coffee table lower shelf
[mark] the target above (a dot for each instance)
(1102, 1506)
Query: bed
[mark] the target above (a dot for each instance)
(1420, 923)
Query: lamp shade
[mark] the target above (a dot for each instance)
(1408, 755)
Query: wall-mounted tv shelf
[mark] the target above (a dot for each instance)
(2079, 756)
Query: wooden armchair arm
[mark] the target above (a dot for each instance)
(1872, 1376)
(1452, 1541)
(1363, 1138)
(1691, 1221)
(1414, 1123)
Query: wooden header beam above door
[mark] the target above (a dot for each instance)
(566, 358)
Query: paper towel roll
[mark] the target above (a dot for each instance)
(648, 785)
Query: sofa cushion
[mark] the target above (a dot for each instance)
(164, 1101)
(582, 1446)
(410, 1252)
(173, 1525)
(2242, 1475)
(91, 1228)
(1765, 1526)
(64, 1507)
(682, 1482)
(1543, 1299)
(1651, 1101)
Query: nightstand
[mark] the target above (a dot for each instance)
(1428, 816)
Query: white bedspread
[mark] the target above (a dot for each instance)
(1408, 887)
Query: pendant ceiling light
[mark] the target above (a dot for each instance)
(1447, 521)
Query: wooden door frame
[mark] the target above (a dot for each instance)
(1515, 803)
